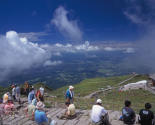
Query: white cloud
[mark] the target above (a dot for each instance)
(123, 49)
(67, 27)
(58, 48)
(52, 63)
(33, 36)
(18, 54)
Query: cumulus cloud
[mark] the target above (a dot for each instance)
(18, 54)
(68, 28)
(59, 48)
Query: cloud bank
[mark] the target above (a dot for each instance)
(142, 13)
(18, 54)
(68, 28)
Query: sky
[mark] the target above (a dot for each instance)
(32, 31)
(96, 20)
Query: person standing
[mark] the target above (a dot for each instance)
(99, 116)
(146, 115)
(31, 95)
(14, 92)
(17, 93)
(70, 94)
(128, 114)
(27, 88)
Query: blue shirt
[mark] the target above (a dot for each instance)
(31, 96)
(69, 94)
(40, 117)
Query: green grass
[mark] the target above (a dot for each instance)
(112, 100)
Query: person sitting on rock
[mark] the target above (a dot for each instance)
(31, 109)
(128, 114)
(40, 115)
(6, 97)
(9, 107)
(146, 115)
(99, 116)
(69, 113)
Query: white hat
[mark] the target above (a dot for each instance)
(99, 101)
(40, 105)
(71, 87)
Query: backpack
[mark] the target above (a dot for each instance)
(128, 116)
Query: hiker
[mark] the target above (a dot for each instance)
(27, 88)
(31, 95)
(70, 94)
(31, 109)
(9, 107)
(42, 91)
(13, 92)
(40, 116)
(17, 93)
(5, 97)
(69, 113)
(39, 96)
(146, 115)
(128, 114)
(99, 116)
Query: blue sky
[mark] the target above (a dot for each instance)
(37, 30)
(98, 20)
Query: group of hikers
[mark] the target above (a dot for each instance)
(35, 109)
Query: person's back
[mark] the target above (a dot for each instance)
(128, 114)
(9, 107)
(40, 117)
(146, 116)
(71, 110)
(42, 91)
(5, 98)
(97, 112)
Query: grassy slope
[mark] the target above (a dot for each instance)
(114, 99)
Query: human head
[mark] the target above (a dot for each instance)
(127, 103)
(148, 106)
(99, 101)
(67, 103)
(40, 105)
(71, 87)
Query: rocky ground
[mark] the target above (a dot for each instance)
(83, 117)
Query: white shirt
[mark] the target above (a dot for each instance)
(97, 112)
(42, 91)
(14, 91)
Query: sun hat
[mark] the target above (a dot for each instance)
(40, 105)
(71, 87)
(99, 101)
